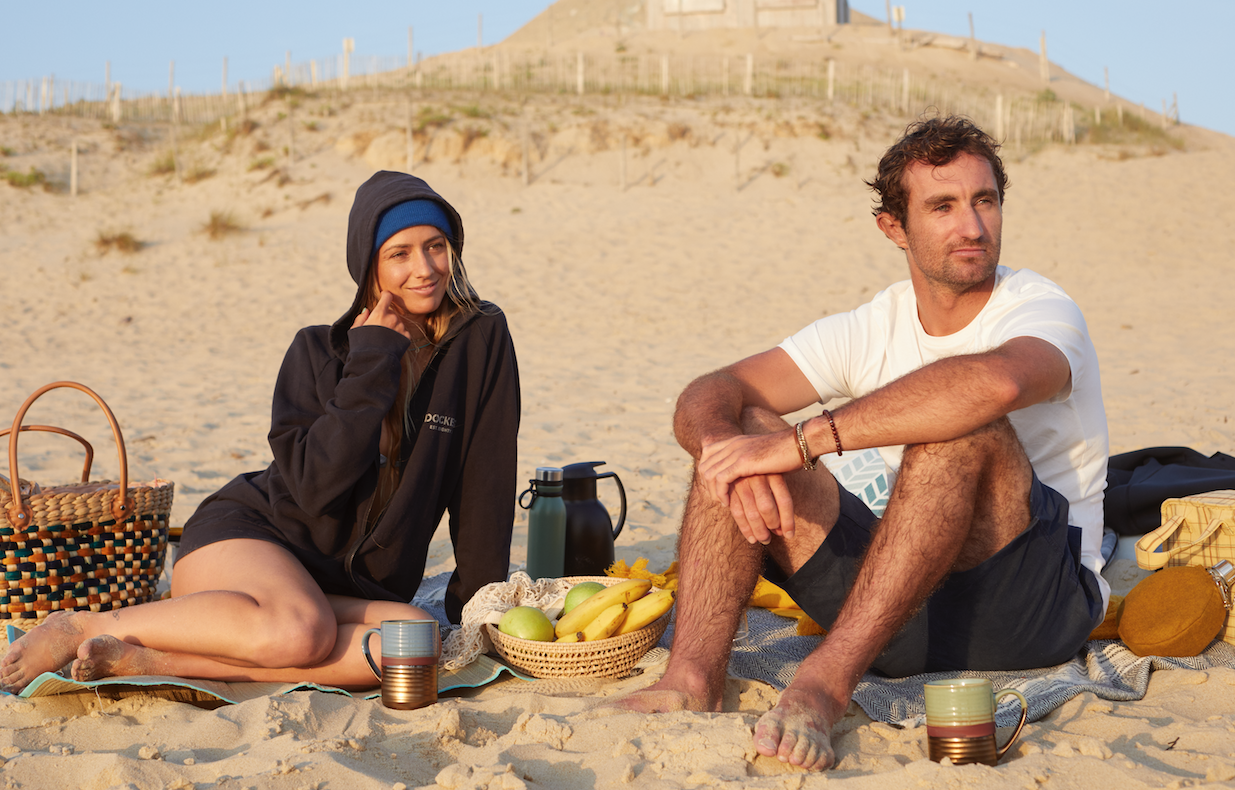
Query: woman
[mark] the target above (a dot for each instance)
(407, 407)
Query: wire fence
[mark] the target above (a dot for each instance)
(1017, 119)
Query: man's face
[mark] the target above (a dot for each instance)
(953, 222)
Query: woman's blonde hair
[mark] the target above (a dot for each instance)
(460, 301)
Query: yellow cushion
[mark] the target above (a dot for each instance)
(1175, 612)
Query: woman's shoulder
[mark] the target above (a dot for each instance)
(488, 320)
(311, 350)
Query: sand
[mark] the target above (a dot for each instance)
(616, 299)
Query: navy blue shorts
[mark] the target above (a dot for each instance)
(1030, 605)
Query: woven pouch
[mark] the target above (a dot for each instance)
(91, 546)
(1196, 530)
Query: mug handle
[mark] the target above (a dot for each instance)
(1020, 725)
(364, 648)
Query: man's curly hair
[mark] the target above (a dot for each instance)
(937, 142)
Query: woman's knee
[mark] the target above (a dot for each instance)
(302, 638)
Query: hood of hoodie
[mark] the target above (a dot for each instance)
(383, 190)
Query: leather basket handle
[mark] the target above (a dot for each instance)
(85, 472)
(19, 512)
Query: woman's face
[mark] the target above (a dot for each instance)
(414, 266)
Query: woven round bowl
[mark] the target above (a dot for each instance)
(614, 657)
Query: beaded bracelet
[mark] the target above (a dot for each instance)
(835, 433)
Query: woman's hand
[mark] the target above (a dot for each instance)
(385, 313)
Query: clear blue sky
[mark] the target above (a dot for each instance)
(1152, 49)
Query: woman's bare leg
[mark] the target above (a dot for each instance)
(240, 603)
(345, 667)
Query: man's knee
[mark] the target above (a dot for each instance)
(758, 420)
(995, 441)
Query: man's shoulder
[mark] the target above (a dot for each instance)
(1026, 283)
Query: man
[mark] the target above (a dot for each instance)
(979, 385)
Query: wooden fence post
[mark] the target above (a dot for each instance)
(348, 45)
(225, 78)
(410, 49)
(1106, 78)
(831, 79)
(1044, 65)
(527, 174)
(115, 102)
(750, 74)
(579, 73)
(175, 135)
(664, 75)
(411, 140)
(973, 40)
(623, 183)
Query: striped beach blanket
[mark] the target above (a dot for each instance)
(1106, 668)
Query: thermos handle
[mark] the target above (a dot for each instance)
(364, 648)
(621, 492)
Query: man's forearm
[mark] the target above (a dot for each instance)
(946, 399)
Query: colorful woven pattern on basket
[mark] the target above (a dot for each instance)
(75, 556)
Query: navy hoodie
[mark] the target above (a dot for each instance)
(334, 389)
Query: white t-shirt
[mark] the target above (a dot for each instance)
(850, 354)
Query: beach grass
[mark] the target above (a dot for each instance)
(32, 177)
(163, 165)
(121, 241)
(221, 225)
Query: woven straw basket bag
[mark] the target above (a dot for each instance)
(91, 546)
(1196, 530)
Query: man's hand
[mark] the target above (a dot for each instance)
(745, 474)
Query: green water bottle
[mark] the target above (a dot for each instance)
(546, 524)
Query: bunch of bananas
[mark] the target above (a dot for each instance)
(766, 595)
(665, 581)
(621, 609)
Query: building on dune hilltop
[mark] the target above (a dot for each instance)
(691, 15)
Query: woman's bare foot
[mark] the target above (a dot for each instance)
(46, 648)
(798, 730)
(106, 656)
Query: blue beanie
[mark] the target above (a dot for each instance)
(409, 214)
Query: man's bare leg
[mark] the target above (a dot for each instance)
(954, 505)
(718, 570)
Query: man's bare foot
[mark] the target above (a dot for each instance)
(106, 656)
(664, 697)
(798, 730)
(46, 648)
